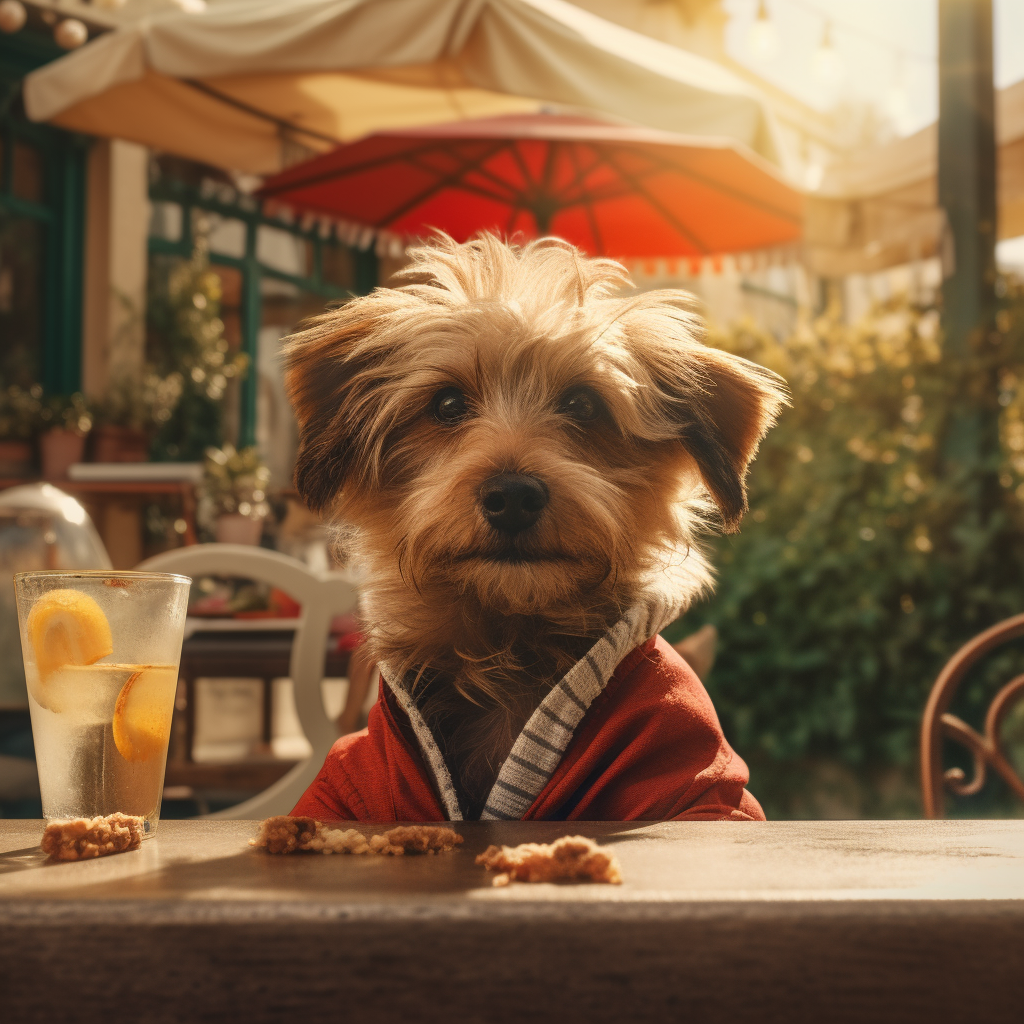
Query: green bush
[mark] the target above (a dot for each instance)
(886, 528)
(186, 342)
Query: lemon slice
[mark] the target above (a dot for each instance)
(67, 627)
(142, 714)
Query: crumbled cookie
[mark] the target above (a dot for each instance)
(569, 859)
(284, 834)
(423, 838)
(85, 838)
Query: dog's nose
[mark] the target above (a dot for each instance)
(513, 502)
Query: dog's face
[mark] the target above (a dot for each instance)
(503, 429)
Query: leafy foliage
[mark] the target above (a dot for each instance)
(886, 528)
(144, 401)
(20, 410)
(234, 481)
(186, 337)
(65, 412)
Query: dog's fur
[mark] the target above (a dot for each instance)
(487, 623)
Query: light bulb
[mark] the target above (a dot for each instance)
(70, 34)
(763, 37)
(12, 16)
(828, 65)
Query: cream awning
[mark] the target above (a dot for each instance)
(255, 84)
(879, 208)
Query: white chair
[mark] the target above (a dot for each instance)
(322, 596)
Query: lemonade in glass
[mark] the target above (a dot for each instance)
(101, 656)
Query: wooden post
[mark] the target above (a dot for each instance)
(967, 193)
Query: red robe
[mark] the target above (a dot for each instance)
(649, 748)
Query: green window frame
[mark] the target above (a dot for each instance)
(62, 211)
(250, 212)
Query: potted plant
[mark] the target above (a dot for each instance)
(66, 421)
(19, 419)
(131, 412)
(234, 494)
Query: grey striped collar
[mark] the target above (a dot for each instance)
(538, 751)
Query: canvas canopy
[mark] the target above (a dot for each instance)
(253, 85)
(880, 208)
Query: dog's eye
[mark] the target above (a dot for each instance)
(580, 404)
(449, 405)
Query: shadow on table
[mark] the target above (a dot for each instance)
(351, 878)
(21, 860)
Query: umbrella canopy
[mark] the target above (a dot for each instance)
(611, 189)
(246, 85)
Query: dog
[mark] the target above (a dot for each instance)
(515, 451)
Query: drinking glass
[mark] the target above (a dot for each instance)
(101, 654)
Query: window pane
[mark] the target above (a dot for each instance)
(227, 235)
(165, 221)
(21, 278)
(27, 173)
(339, 266)
(281, 250)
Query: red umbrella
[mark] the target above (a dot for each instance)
(610, 189)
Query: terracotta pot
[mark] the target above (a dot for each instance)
(60, 449)
(236, 529)
(119, 444)
(16, 458)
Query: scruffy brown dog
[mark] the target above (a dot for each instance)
(515, 455)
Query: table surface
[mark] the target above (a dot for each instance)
(910, 921)
(663, 864)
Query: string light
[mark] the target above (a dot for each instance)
(763, 36)
(867, 34)
(12, 16)
(70, 34)
(828, 65)
(898, 101)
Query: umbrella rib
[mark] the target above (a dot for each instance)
(512, 219)
(724, 189)
(248, 108)
(656, 203)
(366, 165)
(581, 175)
(587, 202)
(529, 180)
(443, 182)
(518, 157)
(508, 196)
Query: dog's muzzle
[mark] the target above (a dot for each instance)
(513, 502)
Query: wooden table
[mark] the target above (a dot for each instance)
(716, 921)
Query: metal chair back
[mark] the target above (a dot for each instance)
(985, 748)
(322, 596)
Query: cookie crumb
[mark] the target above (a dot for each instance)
(285, 834)
(569, 859)
(85, 838)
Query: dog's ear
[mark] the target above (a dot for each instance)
(326, 379)
(726, 409)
